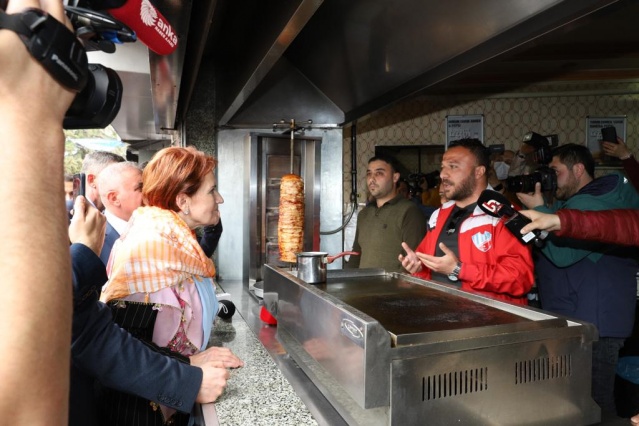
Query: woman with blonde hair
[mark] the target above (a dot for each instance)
(161, 284)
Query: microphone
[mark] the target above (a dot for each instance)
(496, 205)
(151, 28)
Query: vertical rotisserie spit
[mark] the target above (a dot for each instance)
(290, 227)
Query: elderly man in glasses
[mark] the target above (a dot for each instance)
(463, 245)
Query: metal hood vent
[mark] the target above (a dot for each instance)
(151, 83)
(363, 55)
(336, 61)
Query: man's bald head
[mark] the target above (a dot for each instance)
(120, 186)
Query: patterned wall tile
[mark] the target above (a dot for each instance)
(547, 108)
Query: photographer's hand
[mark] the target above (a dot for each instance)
(87, 225)
(532, 200)
(24, 82)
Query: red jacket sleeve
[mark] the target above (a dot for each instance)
(631, 167)
(620, 226)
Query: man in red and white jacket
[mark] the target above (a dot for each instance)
(463, 245)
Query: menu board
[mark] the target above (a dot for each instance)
(593, 135)
(464, 126)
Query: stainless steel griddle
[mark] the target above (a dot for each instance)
(392, 349)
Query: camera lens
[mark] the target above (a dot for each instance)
(98, 103)
(548, 179)
(526, 183)
(522, 183)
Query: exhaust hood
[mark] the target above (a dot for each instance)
(336, 61)
(363, 55)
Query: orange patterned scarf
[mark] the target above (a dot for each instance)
(157, 251)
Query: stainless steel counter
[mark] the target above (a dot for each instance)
(390, 349)
(272, 389)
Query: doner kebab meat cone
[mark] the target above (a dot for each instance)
(290, 227)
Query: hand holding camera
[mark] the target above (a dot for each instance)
(87, 225)
(27, 81)
(533, 199)
(544, 175)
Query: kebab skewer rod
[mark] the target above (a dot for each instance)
(290, 226)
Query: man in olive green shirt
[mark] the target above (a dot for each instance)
(386, 222)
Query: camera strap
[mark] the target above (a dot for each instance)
(52, 44)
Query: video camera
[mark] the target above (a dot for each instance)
(431, 178)
(541, 156)
(101, 24)
(99, 102)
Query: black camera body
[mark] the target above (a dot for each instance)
(496, 148)
(431, 178)
(526, 183)
(99, 101)
(542, 156)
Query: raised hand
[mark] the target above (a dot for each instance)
(541, 221)
(410, 262)
(443, 264)
(87, 225)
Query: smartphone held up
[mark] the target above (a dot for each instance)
(79, 182)
(609, 134)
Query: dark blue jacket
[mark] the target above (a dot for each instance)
(110, 237)
(210, 237)
(587, 280)
(102, 351)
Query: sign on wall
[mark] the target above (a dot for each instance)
(593, 134)
(464, 126)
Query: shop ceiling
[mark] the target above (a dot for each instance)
(336, 61)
